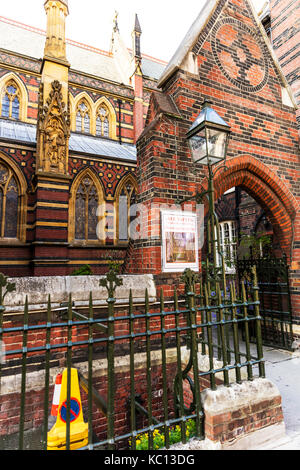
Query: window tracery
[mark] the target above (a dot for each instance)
(86, 210)
(102, 121)
(83, 119)
(9, 203)
(11, 101)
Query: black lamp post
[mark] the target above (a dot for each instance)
(208, 139)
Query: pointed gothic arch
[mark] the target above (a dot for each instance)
(13, 201)
(125, 199)
(87, 209)
(82, 113)
(260, 182)
(105, 118)
(13, 97)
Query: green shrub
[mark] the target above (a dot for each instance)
(159, 438)
(85, 270)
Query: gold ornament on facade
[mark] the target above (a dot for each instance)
(53, 132)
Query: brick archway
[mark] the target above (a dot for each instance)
(266, 188)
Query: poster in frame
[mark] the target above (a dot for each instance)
(179, 234)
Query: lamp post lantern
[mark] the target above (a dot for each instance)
(208, 139)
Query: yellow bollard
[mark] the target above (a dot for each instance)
(78, 428)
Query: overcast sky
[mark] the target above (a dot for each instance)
(163, 22)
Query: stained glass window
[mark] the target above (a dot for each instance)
(5, 106)
(126, 211)
(102, 121)
(86, 123)
(11, 102)
(106, 127)
(78, 122)
(86, 206)
(92, 216)
(98, 126)
(9, 203)
(83, 122)
(11, 209)
(15, 108)
(80, 214)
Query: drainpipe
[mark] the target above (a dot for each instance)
(120, 123)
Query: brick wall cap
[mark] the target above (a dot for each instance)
(238, 396)
(59, 287)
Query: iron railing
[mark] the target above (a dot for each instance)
(274, 296)
(141, 369)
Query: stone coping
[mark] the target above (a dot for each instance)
(60, 287)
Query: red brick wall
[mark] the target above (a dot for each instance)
(237, 73)
(232, 425)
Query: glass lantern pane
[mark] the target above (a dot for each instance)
(216, 143)
(198, 146)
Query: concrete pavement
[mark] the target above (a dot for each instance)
(283, 369)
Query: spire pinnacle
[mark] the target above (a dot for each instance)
(136, 39)
(116, 26)
(137, 26)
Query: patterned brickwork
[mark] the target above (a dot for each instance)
(263, 153)
(109, 174)
(31, 83)
(24, 159)
(20, 62)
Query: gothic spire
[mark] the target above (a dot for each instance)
(136, 38)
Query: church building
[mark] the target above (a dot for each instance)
(75, 124)
(70, 118)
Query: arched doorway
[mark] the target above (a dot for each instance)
(269, 192)
(276, 214)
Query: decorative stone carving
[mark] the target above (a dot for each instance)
(53, 132)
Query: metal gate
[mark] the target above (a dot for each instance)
(274, 296)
